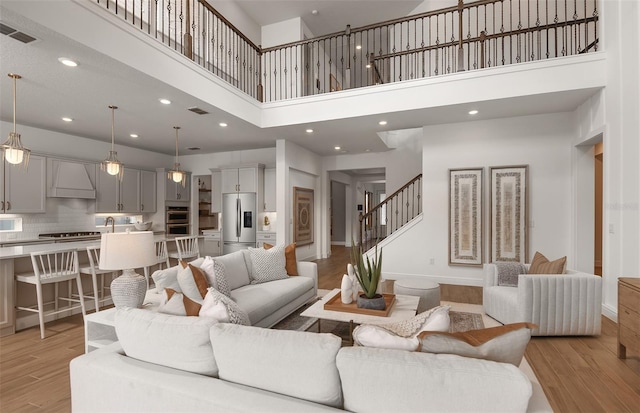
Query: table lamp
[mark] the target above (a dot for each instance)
(126, 251)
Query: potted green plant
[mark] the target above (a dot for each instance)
(368, 275)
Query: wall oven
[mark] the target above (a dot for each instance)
(177, 220)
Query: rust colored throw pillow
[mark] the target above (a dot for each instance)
(541, 265)
(290, 255)
(191, 308)
(193, 282)
(504, 344)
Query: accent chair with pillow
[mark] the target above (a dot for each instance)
(561, 302)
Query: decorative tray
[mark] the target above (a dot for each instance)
(336, 304)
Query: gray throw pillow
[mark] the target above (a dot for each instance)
(268, 265)
(508, 273)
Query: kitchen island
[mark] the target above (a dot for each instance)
(17, 259)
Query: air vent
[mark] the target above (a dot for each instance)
(194, 148)
(13, 33)
(4, 29)
(24, 38)
(198, 110)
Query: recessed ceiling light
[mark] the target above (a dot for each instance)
(358, 47)
(337, 148)
(473, 112)
(66, 119)
(67, 62)
(309, 130)
(382, 122)
(222, 125)
(368, 66)
(367, 150)
(165, 101)
(134, 135)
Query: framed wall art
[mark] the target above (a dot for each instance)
(303, 213)
(466, 245)
(509, 213)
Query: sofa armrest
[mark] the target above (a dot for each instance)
(489, 275)
(561, 304)
(309, 269)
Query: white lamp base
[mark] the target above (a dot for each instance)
(129, 289)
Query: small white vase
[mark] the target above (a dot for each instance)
(346, 287)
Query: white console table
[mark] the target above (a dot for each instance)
(99, 329)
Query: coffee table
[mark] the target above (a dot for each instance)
(403, 308)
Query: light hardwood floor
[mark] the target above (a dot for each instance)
(578, 374)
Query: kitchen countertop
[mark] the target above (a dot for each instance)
(21, 251)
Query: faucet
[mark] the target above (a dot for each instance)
(113, 223)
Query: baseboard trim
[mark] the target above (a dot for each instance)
(341, 243)
(440, 279)
(610, 312)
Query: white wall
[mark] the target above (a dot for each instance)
(544, 142)
(283, 32)
(237, 16)
(296, 166)
(200, 164)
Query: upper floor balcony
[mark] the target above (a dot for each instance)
(467, 36)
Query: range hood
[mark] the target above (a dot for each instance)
(70, 179)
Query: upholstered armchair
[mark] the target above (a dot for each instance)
(560, 304)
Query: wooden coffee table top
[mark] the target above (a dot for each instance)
(405, 307)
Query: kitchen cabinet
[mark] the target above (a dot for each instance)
(270, 189)
(23, 191)
(148, 191)
(268, 237)
(216, 192)
(176, 192)
(243, 179)
(211, 243)
(114, 195)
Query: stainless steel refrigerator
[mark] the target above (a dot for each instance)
(238, 222)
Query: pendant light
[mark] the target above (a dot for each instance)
(12, 149)
(177, 175)
(112, 165)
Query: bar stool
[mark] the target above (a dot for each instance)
(187, 248)
(53, 267)
(162, 258)
(94, 271)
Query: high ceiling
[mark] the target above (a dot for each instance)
(49, 91)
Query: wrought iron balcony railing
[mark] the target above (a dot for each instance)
(466, 36)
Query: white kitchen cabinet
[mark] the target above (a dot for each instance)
(268, 237)
(176, 192)
(216, 191)
(114, 195)
(211, 243)
(243, 179)
(148, 191)
(270, 189)
(23, 191)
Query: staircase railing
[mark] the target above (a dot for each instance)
(466, 36)
(391, 214)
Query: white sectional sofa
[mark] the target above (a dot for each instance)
(261, 370)
(560, 304)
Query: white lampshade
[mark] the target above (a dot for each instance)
(113, 168)
(14, 156)
(176, 176)
(127, 250)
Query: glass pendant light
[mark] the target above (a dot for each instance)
(12, 149)
(176, 174)
(112, 165)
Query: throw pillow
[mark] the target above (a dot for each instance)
(193, 282)
(402, 335)
(214, 271)
(508, 273)
(167, 278)
(231, 313)
(504, 344)
(541, 265)
(176, 303)
(268, 265)
(290, 256)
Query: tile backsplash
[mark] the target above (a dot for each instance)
(62, 215)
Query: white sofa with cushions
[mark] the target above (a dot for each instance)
(560, 304)
(265, 303)
(166, 363)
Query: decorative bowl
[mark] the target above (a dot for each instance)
(143, 226)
